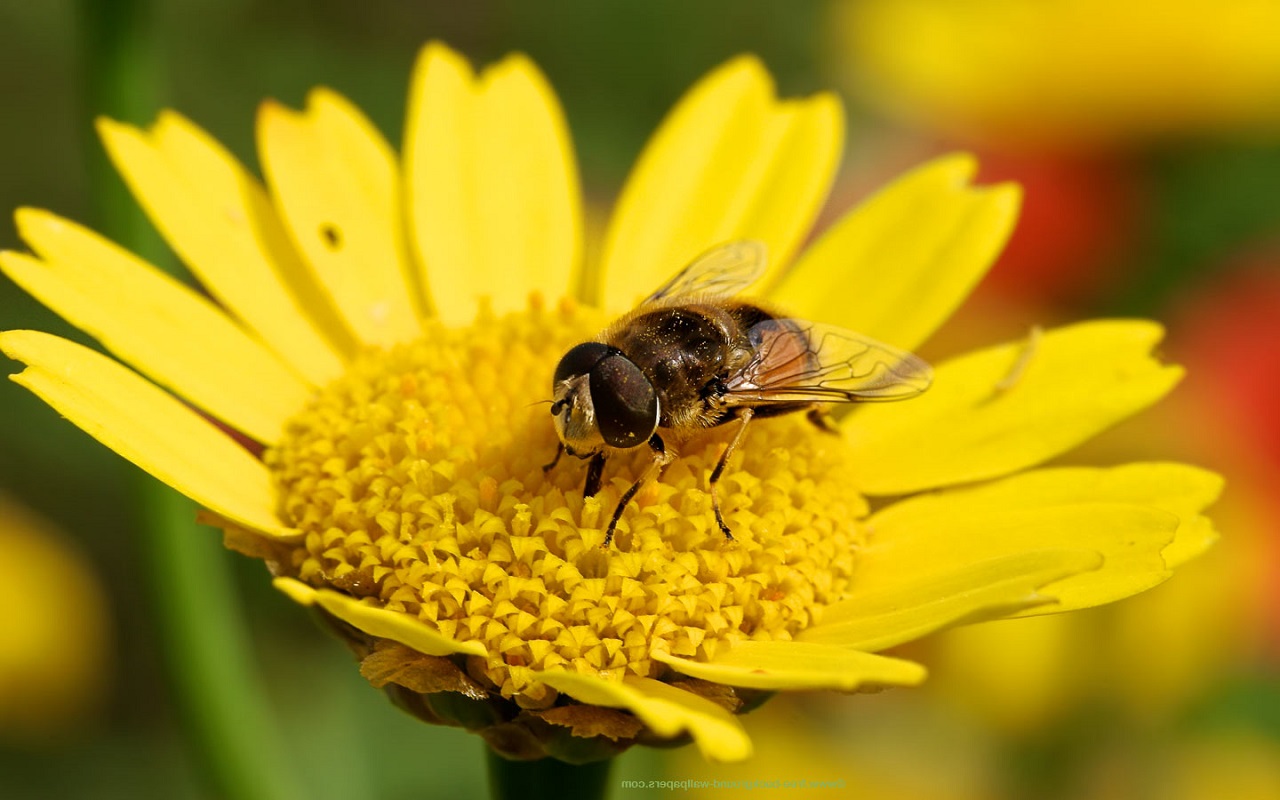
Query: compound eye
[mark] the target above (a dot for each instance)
(580, 360)
(625, 403)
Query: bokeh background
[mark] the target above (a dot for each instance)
(1148, 140)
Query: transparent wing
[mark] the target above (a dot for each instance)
(797, 361)
(722, 271)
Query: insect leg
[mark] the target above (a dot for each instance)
(595, 470)
(745, 416)
(556, 460)
(822, 420)
(660, 460)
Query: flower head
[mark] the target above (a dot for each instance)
(1068, 73)
(387, 331)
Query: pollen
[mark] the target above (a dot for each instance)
(418, 482)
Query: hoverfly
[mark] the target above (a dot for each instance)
(693, 356)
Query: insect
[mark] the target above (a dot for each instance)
(693, 356)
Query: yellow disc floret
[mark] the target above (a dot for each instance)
(418, 481)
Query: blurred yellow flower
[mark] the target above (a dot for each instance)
(383, 334)
(1073, 72)
(55, 644)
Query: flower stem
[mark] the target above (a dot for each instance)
(200, 628)
(207, 653)
(121, 77)
(546, 779)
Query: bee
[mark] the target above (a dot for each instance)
(693, 356)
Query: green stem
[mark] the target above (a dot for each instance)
(122, 79)
(206, 650)
(546, 779)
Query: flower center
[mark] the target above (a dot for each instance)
(418, 480)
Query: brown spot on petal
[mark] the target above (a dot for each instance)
(514, 741)
(588, 721)
(274, 552)
(724, 696)
(391, 662)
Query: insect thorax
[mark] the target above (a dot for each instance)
(684, 350)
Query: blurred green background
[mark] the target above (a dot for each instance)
(1166, 204)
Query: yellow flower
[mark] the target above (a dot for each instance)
(387, 331)
(1054, 72)
(55, 646)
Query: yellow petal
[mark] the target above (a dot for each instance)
(1185, 491)
(798, 666)
(1120, 513)
(1179, 489)
(219, 220)
(897, 266)
(912, 606)
(491, 184)
(1005, 408)
(1195, 536)
(379, 622)
(729, 162)
(667, 711)
(147, 426)
(336, 182)
(159, 326)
